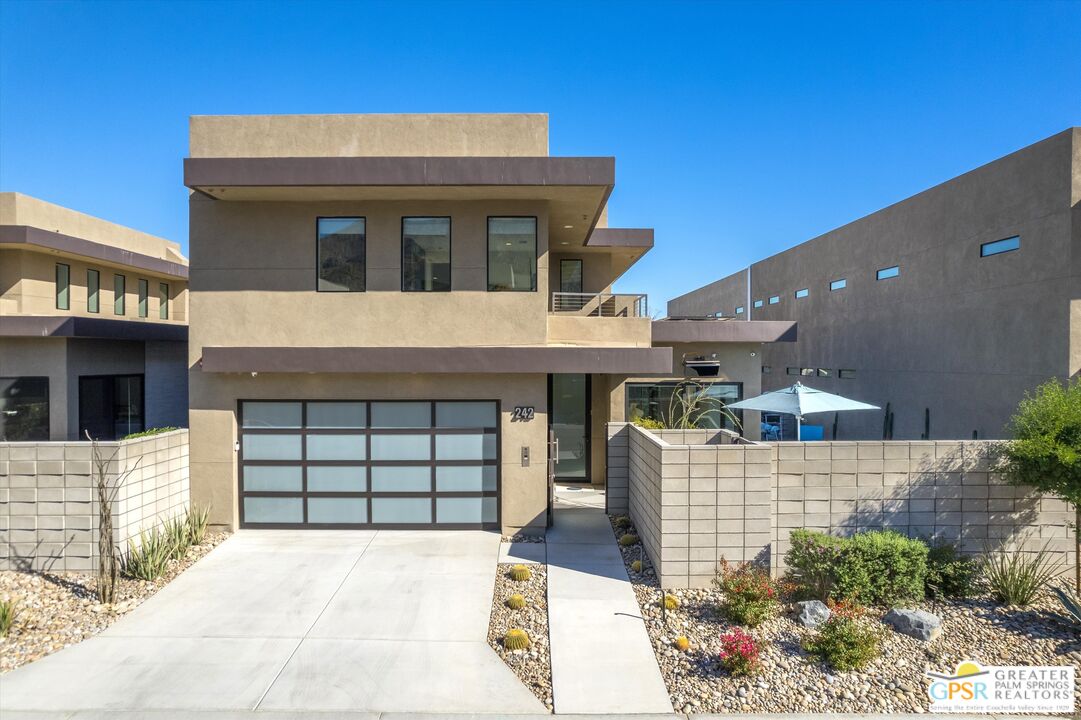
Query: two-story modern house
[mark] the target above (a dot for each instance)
(408, 321)
(93, 326)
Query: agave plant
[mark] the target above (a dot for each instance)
(690, 406)
(1070, 603)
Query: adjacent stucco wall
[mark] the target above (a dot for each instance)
(962, 335)
(48, 502)
(697, 502)
(389, 135)
(166, 384)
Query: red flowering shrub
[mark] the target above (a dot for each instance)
(750, 594)
(739, 652)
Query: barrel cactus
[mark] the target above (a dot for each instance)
(516, 602)
(628, 539)
(671, 602)
(621, 522)
(520, 573)
(682, 643)
(636, 566)
(516, 639)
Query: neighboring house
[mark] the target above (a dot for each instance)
(93, 326)
(399, 319)
(946, 307)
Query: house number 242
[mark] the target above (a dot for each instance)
(522, 413)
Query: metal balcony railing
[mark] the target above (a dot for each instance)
(600, 304)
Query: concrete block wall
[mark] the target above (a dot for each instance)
(48, 501)
(696, 499)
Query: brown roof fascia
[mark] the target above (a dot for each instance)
(723, 331)
(36, 237)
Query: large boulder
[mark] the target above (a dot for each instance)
(812, 613)
(914, 623)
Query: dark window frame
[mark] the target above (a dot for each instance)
(894, 270)
(675, 383)
(805, 293)
(120, 294)
(774, 299)
(984, 246)
(488, 251)
(367, 432)
(163, 301)
(758, 303)
(318, 218)
(96, 294)
(113, 377)
(48, 400)
(450, 251)
(739, 309)
(66, 289)
(835, 287)
(846, 374)
(143, 306)
(581, 274)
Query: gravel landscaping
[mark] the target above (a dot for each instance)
(790, 680)
(533, 664)
(55, 610)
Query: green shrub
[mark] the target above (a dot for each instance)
(740, 652)
(750, 595)
(648, 423)
(844, 642)
(950, 574)
(197, 520)
(148, 559)
(9, 610)
(1016, 578)
(879, 567)
(148, 433)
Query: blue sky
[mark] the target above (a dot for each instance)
(739, 129)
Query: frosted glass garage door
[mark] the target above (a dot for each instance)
(361, 463)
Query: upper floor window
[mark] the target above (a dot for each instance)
(758, 303)
(144, 291)
(802, 293)
(340, 254)
(63, 286)
(93, 291)
(824, 372)
(426, 254)
(838, 284)
(739, 310)
(846, 374)
(1000, 246)
(775, 299)
(512, 254)
(163, 301)
(119, 290)
(887, 273)
(767, 369)
(791, 371)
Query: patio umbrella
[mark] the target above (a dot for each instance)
(800, 400)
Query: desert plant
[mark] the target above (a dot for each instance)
(516, 602)
(9, 610)
(520, 573)
(636, 566)
(628, 539)
(689, 407)
(1016, 577)
(681, 643)
(739, 652)
(149, 559)
(177, 534)
(1045, 453)
(879, 567)
(516, 639)
(670, 602)
(106, 485)
(148, 433)
(1071, 603)
(844, 641)
(621, 522)
(648, 423)
(750, 595)
(197, 520)
(949, 574)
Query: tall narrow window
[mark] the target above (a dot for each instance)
(1000, 246)
(93, 291)
(163, 301)
(426, 254)
(887, 273)
(340, 254)
(144, 291)
(512, 254)
(119, 290)
(838, 284)
(63, 286)
(570, 276)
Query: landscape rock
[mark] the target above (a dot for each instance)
(919, 624)
(812, 613)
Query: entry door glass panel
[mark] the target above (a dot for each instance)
(110, 406)
(569, 419)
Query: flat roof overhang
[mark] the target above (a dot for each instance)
(33, 238)
(461, 360)
(85, 327)
(667, 332)
(576, 188)
(625, 246)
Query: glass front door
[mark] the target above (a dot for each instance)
(569, 418)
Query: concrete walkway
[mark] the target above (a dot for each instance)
(602, 659)
(281, 621)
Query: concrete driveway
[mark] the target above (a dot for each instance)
(362, 621)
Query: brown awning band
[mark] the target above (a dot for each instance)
(620, 361)
(28, 235)
(88, 327)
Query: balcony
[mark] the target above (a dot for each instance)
(600, 305)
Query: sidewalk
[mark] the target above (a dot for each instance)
(602, 660)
